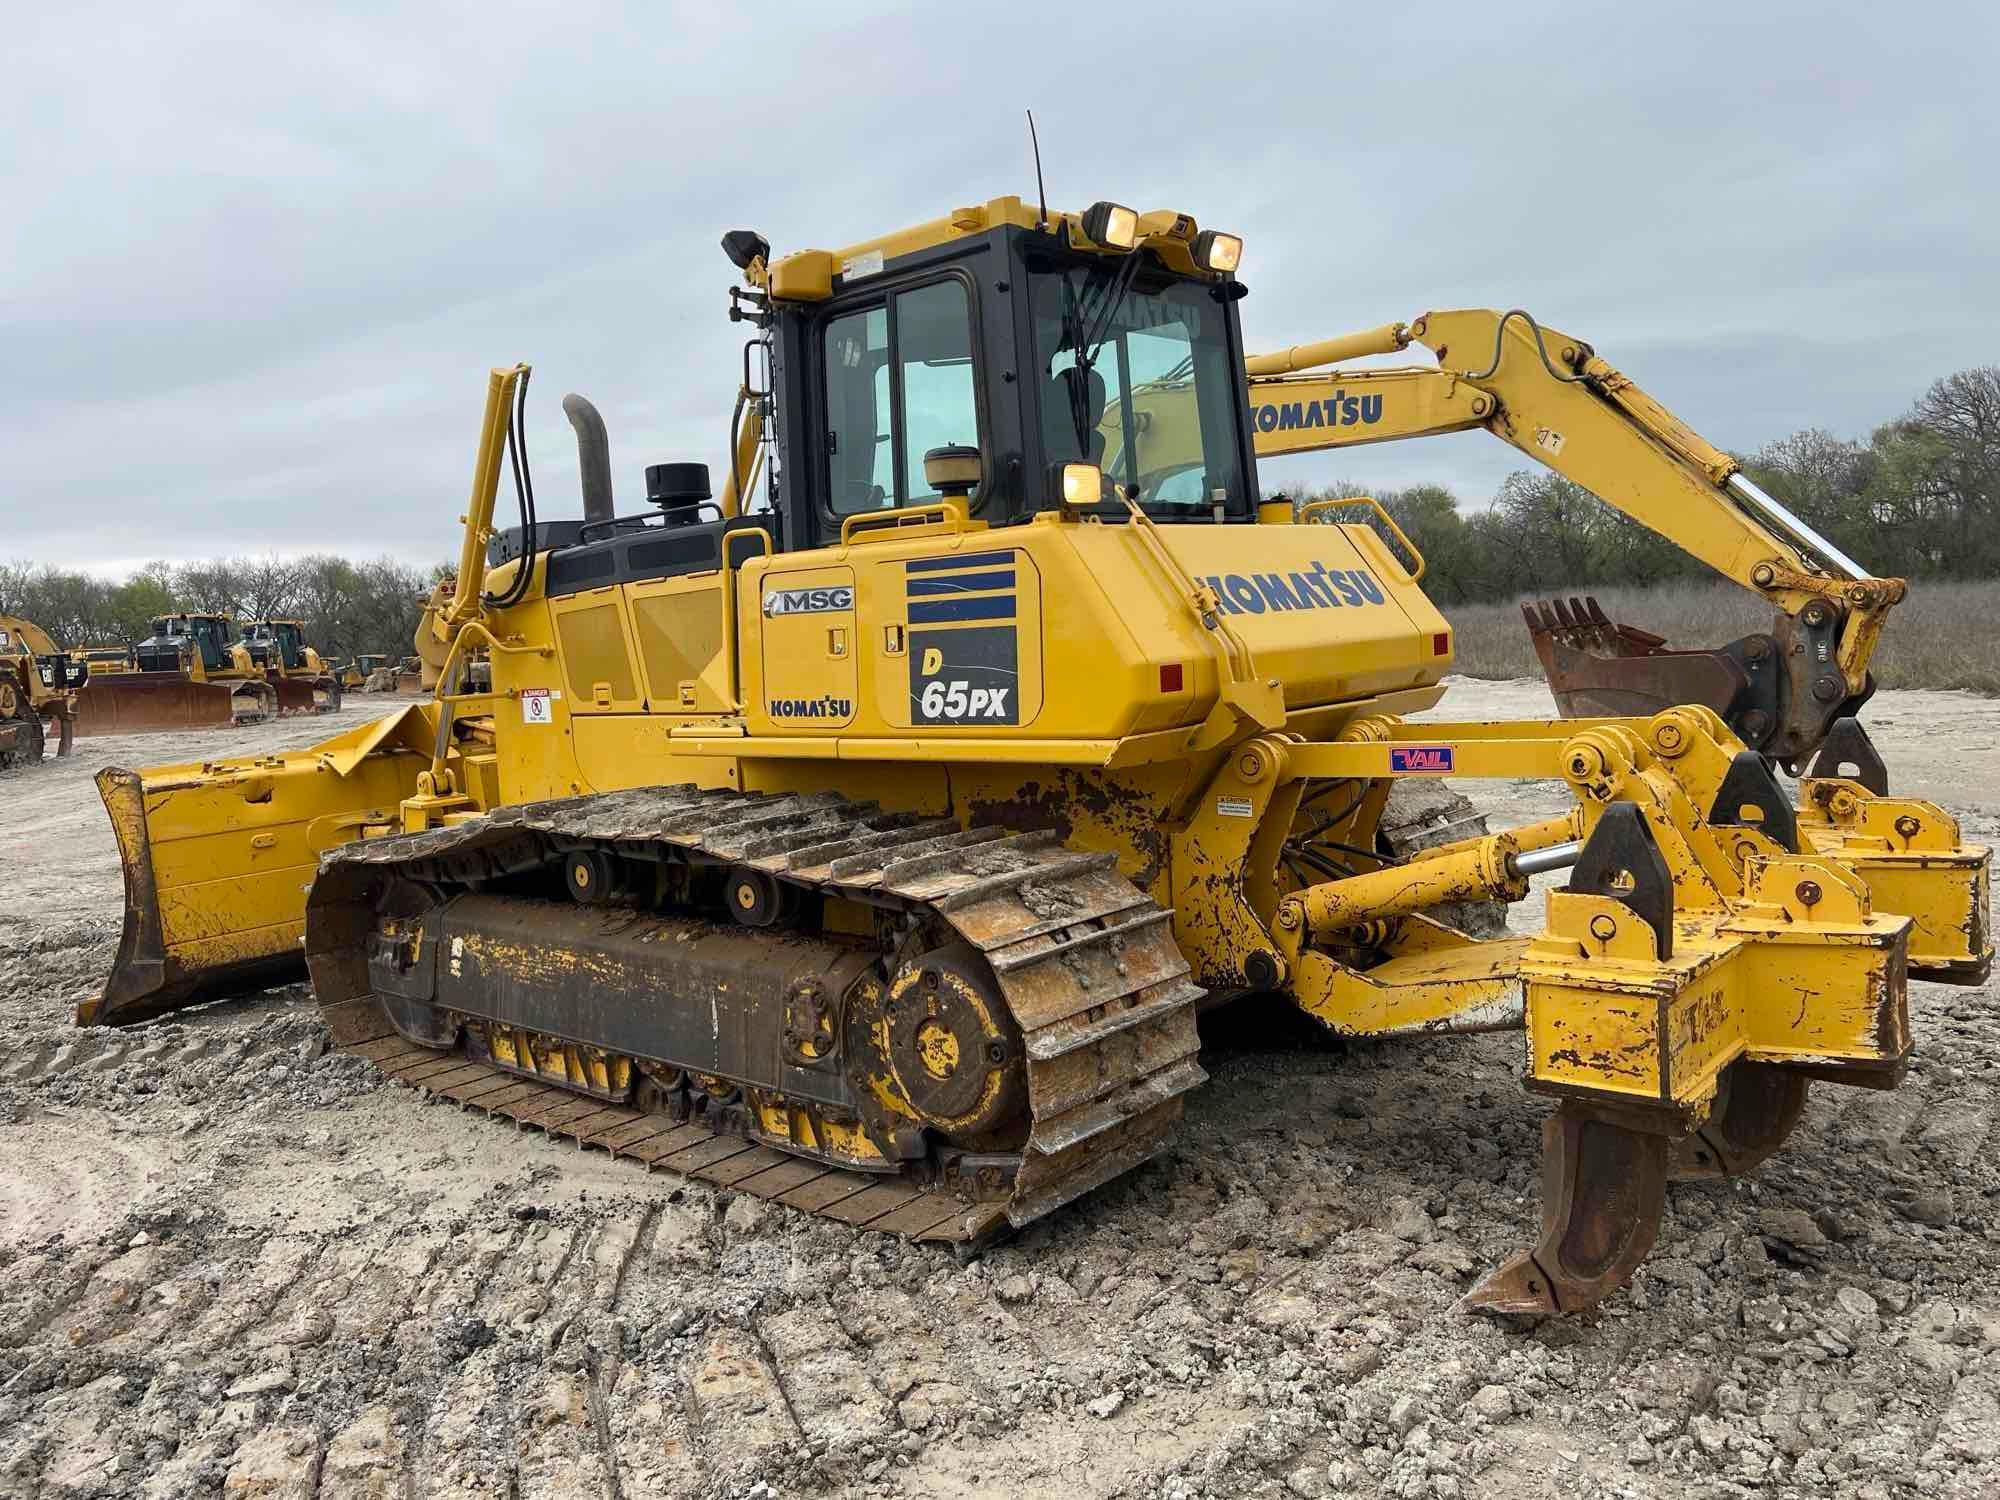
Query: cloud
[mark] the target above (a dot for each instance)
(257, 259)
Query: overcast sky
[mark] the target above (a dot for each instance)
(257, 258)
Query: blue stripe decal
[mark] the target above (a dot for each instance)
(939, 610)
(961, 583)
(961, 560)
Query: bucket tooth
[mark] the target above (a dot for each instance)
(1603, 1188)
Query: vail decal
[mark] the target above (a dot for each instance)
(809, 601)
(810, 708)
(1421, 760)
(1320, 588)
(1338, 410)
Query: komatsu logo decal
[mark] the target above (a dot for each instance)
(821, 601)
(1338, 410)
(811, 708)
(1320, 587)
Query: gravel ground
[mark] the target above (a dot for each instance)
(231, 1262)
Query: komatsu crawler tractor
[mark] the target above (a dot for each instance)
(866, 838)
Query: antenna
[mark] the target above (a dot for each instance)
(1041, 192)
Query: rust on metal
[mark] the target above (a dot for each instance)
(1603, 1190)
(147, 980)
(1756, 1107)
(1023, 1003)
(149, 702)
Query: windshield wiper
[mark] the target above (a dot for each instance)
(1086, 338)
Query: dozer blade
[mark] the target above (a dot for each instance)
(305, 695)
(149, 702)
(217, 859)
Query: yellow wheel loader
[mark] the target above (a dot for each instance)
(866, 838)
(190, 673)
(302, 680)
(38, 688)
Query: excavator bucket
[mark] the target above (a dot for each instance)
(147, 702)
(1601, 668)
(217, 857)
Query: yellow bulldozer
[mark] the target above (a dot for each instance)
(301, 678)
(867, 838)
(103, 660)
(191, 672)
(38, 688)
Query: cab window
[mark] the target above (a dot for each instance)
(899, 382)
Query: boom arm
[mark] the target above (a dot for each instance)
(1553, 398)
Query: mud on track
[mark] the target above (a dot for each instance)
(233, 1263)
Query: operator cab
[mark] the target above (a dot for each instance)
(1041, 361)
(1035, 344)
(173, 635)
(284, 637)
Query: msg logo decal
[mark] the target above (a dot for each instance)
(810, 708)
(821, 601)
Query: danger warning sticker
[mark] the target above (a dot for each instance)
(535, 706)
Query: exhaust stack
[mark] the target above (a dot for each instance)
(593, 456)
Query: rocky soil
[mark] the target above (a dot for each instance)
(233, 1263)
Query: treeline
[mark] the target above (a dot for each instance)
(347, 607)
(1919, 499)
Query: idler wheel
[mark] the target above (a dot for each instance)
(953, 1046)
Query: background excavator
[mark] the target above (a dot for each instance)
(1551, 396)
(297, 673)
(868, 847)
(191, 672)
(38, 688)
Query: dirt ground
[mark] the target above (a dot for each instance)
(230, 1262)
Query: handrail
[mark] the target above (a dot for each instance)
(730, 652)
(1313, 507)
(947, 513)
(1241, 697)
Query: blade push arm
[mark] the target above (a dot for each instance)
(1553, 398)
